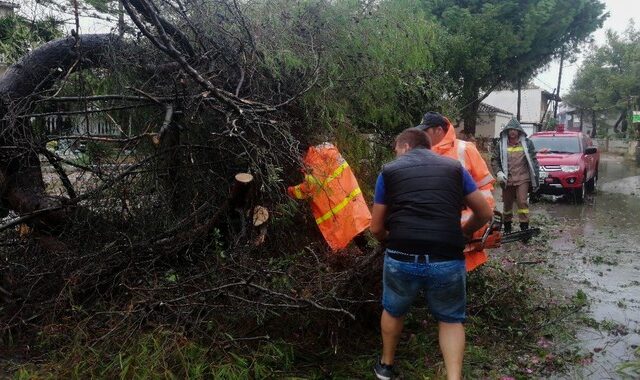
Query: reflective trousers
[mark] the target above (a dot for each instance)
(518, 193)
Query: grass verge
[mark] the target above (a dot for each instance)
(516, 329)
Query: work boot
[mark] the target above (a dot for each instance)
(507, 227)
(525, 226)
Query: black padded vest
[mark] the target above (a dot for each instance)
(424, 196)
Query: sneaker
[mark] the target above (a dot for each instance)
(384, 371)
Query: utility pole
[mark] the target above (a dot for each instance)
(519, 97)
(581, 119)
(629, 117)
(120, 19)
(555, 107)
(634, 125)
(634, 100)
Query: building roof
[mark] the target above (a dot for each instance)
(487, 108)
(7, 4)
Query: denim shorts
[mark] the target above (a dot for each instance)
(443, 282)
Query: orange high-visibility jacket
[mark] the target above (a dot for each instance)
(336, 200)
(468, 155)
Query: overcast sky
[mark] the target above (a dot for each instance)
(32, 9)
(620, 12)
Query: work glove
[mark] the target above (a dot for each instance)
(501, 177)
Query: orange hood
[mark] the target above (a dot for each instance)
(448, 142)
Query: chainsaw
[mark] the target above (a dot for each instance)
(493, 237)
(520, 235)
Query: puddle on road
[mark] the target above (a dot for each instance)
(598, 251)
(619, 177)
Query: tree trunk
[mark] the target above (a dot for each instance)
(593, 123)
(470, 117)
(519, 106)
(38, 70)
(623, 115)
(170, 143)
(24, 189)
(470, 113)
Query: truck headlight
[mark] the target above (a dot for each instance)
(569, 168)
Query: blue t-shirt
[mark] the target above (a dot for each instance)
(468, 187)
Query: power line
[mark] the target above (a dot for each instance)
(545, 83)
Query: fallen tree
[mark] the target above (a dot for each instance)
(177, 226)
(20, 86)
(97, 229)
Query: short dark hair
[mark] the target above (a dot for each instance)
(433, 119)
(414, 137)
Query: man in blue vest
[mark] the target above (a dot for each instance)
(416, 214)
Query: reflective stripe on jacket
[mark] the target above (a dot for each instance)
(500, 157)
(337, 203)
(468, 155)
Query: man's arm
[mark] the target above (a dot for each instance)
(495, 158)
(377, 221)
(478, 167)
(482, 213)
(379, 212)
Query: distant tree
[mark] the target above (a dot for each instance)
(19, 35)
(609, 78)
(491, 43)
(550, 124)
(379, 69)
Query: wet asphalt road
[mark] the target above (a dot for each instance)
(596, 248)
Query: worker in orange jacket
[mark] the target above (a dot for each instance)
(444, 142)
(336, 199)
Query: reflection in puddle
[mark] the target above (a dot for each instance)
(598, 250)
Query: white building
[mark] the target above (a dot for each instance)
(7, 9)
(491, 120)
(534, 105)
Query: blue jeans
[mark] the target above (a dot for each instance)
(443, 282)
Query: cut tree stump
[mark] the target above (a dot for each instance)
(260, 218)
(240, 190)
